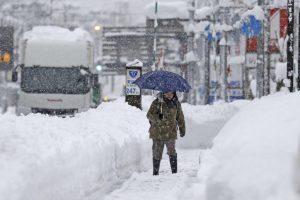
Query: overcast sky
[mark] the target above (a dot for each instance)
(136, 6)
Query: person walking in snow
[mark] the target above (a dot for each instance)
(165, 116)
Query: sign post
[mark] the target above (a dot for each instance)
(133, 93)
(290, 45)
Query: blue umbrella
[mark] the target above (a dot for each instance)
(164, 81)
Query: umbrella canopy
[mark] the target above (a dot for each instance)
(164, 81)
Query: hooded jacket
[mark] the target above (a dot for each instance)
(164, 117)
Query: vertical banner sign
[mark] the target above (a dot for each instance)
(290, 44)
(6, 48)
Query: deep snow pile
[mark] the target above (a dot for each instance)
(84, 157)
(254, 155)
(54, 158)
(203, 123)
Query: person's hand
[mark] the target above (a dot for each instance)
(161, 116)
(182, 134)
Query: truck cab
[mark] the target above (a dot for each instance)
(55, 71)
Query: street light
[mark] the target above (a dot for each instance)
(97, 31)
(97, 28)
(99, 67)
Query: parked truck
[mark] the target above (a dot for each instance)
(56, 66)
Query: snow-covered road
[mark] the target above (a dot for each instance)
(166, 186)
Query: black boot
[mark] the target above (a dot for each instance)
(173, 163)
(156, 164)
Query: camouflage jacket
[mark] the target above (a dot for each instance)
(165, 128)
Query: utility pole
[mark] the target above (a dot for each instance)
(51, 11)
(260, 59)
(290, 45)
(298, 67)
(223, 68)
(154, 42)
(191, 65)
(207, 70)
(224, 89)
(267, 54)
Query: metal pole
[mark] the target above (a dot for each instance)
(298, 79)
(191, 65)
(260, 60)
(223, 63)
(290, 45)
(51, 11)
(154, 42)
(267, 73)
(206, 71)
(4, 97)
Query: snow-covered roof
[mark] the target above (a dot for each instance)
(42, 33)
(124, 34)
(257, 12)
(167, 10)
(200, 27)
(280, 3)
(135, 63)
(203, 12)
(176, 9)
(223, 27)
(57, 47)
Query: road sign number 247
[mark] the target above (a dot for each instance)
(132, 91)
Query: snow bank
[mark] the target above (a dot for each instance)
(204, 122)
(253, 156)
(86, 156)
(71, 158)
(297, 173)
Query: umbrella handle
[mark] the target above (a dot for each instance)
(161, 104)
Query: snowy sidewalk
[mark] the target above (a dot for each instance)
(166, 186)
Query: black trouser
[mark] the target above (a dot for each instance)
(158, 148)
